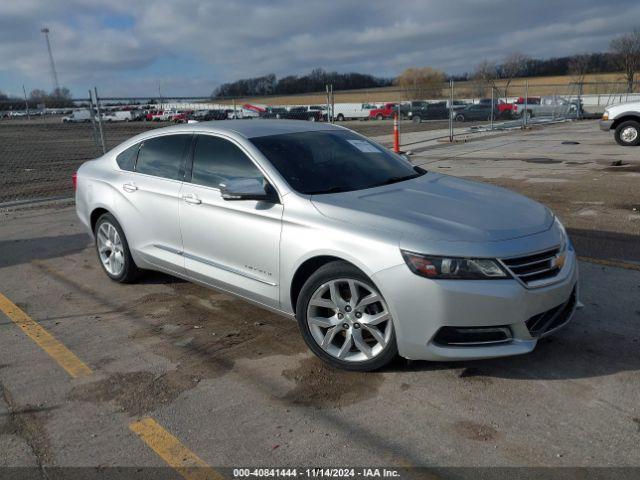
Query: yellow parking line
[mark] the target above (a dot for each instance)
(56, 350)
(172, 451)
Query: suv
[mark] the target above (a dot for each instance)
(624, 120)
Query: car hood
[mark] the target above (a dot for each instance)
(439, 207)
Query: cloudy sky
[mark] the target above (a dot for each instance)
(190, 46)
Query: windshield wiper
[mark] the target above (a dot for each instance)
(391, 180)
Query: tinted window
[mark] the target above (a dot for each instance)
(216, 161)
(332, 161)
(162, 156)
(127, 159)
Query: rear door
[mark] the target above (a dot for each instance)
(154, 194)
(233, 245)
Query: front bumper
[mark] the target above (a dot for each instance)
(605, 125)
(421, 307)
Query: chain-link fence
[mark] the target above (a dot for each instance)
(42, 145)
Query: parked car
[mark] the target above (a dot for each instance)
(624, 120)
(476, 111)
(213, 114)
(275, 112)
(304, 113)
(429, 111)
(79, 116)
(118, 116)
(372, 255)
(388, 110)
(351, 111)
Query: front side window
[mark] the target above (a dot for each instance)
(216, 161)
(332, 161)
(127, 159)
(163, 156)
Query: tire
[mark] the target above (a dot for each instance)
(312, 119)
(340, 117)
(627, 133)
(459, 118)
(416, 119)
(350, 343)
(105, 228)
(379, 116)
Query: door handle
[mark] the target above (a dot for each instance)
(192, 199)
(129, 187)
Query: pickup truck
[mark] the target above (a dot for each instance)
(624, 120)
(429, 111)
(386, 111)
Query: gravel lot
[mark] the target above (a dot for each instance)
(237, 387)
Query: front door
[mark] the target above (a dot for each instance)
(233, 245)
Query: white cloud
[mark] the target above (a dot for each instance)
(190, 45)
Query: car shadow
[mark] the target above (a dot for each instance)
(17, 252)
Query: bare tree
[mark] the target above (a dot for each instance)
(626, 49)
(421, 83)
(486, 75)
(579, 67)
(513, 66)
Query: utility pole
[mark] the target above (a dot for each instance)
(26, 102)
(54, 74)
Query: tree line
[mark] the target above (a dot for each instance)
(57, 98)
(314, 81)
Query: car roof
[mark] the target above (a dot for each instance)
(251, 128)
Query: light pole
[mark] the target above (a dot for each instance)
(54, 74)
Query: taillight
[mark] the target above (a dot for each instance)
(74, 178)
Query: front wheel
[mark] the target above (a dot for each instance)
(344, 319)
(416, 119)
(627, 133)
(340, 117)
(379, 117)
(459, 118)
(113, 250)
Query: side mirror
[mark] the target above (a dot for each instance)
(248, 189)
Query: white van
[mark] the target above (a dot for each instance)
(351, 111)
(78, 116)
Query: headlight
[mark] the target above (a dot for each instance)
(605, 115)
(565, 242)
(453, 268)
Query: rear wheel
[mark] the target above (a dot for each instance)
(627, 133)
(344, 319)
(312, 118)
(416, 119)
(113, 250)
(340, 117)
(379, 116)
(459, 118)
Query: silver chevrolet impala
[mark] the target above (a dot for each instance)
(374, 257)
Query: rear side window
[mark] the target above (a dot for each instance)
(127, 159)
(163, 156)
(216, 161)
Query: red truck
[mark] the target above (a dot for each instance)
(387, 111)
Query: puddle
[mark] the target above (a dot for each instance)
(542, 160)
(320, 386)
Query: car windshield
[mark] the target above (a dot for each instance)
(333, 161)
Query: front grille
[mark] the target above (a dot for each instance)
(551, 319)
(472, 336)
(531, 268)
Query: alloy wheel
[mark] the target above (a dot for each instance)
(349, 320)
(110, 249)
